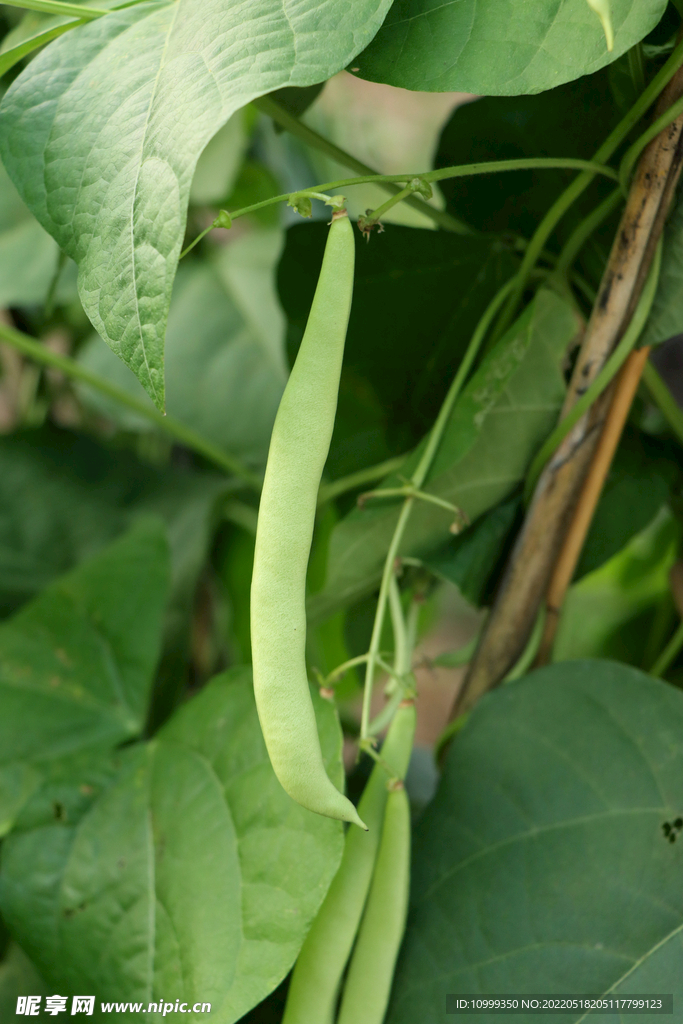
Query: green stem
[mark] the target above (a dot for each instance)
(398, 625)
(411, 492)
(374, 216)
(58, 7)
(521, 667)
(585, 229)
(663, 399)
(636, 66)
(443, 173)
(342, 669)
(417, 480)
(387, 573)
(634, 151)
(186, 435)
(296, 127)
(563, 203)
(328, 492)
(669, 654)
(473, 348)
(604, 377)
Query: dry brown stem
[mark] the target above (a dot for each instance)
(624, 392)
(550, 513)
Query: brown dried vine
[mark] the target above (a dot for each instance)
(560, 487)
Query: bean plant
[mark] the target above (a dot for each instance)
(330, 330)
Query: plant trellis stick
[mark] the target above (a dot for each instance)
(535, 552)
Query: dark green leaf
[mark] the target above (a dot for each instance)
(63, 497)
(297, 101)
(509, 405)
(152, 84)
(193, 877)
(622, 609)
(18, 977)
(542, 864)
(638, 484)
(500, 49)
(418, 296)
(571, 120)
(76, 664)
(469, 560)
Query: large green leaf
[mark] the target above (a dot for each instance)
(76, 664)
(499, 49)
(224, 363)
(510, 404)
(102, 132)
(423, 290)
(193, 877)
(542, 864)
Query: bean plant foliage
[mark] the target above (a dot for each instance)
(169, 170)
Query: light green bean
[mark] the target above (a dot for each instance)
(326, 950)
(298, 450)
(371, 972)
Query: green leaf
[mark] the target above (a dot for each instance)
(193, 877)
(152, 84)
(28, 256)
(470, 560)
(500, 49)
(64, 497)
(666, 320)
(403, 290)
(508, 407)
(542, 865)
(18, 977)
(637, 486)
(572, 120)
(76, 664)
(224, 352)
(610, 611)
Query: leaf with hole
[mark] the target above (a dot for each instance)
(542, 864)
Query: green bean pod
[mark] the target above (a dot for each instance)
(319, 969)
(298, 450)
(371, 972)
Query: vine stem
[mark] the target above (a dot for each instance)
(225, 219)
(295, 127)
(417, 479)
(669, 653)
(179, 431)
(328, 492)
(563, 203)
(584, 230)
(530, 567)
(608, 372)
